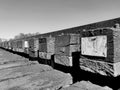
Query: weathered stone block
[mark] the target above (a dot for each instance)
(63, 60)
(100, 67)
(45, 55)
(31, 47)
(67, 50)
(42, 55)
(116, 44)
(51, 45)
(36, 44)
(100, 51)
(62, 40)
(42, 45)
(62, 50)
(65, 40)
(66, 44)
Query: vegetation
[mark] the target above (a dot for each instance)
(22, 35)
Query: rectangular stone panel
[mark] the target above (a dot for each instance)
(94, 46)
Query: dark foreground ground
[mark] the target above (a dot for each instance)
(18, 73)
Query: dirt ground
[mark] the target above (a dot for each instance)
(18, 73)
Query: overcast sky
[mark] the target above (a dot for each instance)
(30, 16)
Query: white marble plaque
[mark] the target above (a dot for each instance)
(94, 46)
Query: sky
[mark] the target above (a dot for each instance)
(31, 16)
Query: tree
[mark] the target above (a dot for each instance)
(22, 35)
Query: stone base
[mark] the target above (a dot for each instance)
(21, 50)
(117, 69)
(103, 68)
(36, 54)
(63, 60)
(45, 55)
